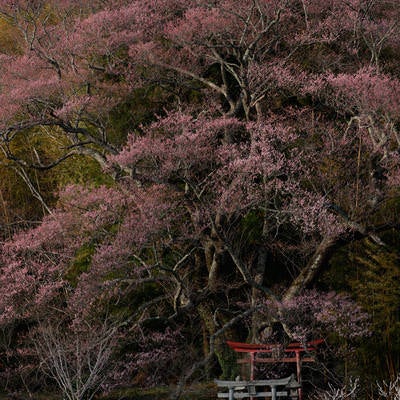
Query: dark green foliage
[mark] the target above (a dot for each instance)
(81, 263)
(251, 227)
(141, 108)
(372, 274)
(80, 170)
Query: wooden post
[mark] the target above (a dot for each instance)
(298, 367)
(273, 390)
(252, 356)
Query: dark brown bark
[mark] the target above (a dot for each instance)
(313, 267)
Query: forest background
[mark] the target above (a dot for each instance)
(176, 173)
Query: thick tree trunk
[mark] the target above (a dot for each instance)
(213, 251)
(313, 267)
(225, 357)
(256, 293)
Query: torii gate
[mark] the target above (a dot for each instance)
(293, 353)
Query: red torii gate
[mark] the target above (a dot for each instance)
(290, 354)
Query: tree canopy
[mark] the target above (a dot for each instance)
(196, 162)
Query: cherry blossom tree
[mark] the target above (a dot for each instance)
(278, 144)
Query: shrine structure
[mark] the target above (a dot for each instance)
(297, 353)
